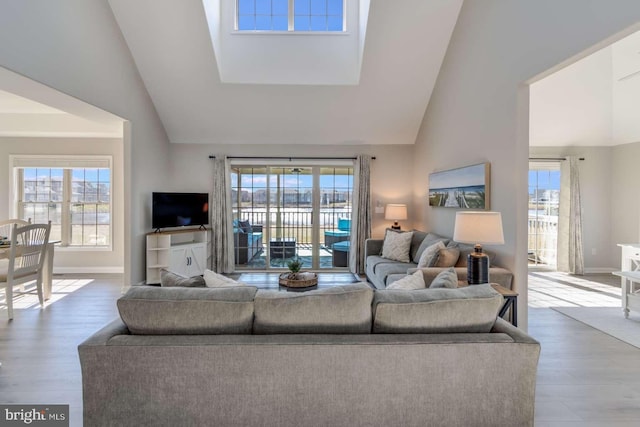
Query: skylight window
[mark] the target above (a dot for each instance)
(290, 15)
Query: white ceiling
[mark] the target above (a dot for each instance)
(592, 102)
(45, 112)
(405, 44)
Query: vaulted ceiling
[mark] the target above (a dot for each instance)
(405, 43)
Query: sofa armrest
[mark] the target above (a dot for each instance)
(372, 247)
(102, 337)
(519, 336)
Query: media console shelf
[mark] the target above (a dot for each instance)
(630, 277)
(186, 252)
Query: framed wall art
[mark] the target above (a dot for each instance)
(467, 187)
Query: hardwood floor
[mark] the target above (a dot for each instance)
(585, 377)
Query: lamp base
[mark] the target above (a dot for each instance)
(477, 267)
(395, 226)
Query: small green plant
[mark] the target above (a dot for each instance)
(294, 265)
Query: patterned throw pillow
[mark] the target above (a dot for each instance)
(396, 245)
(445, 279)
(447, 257)
(410, 282)
(215, 280)
(171, 279)
(428, 255)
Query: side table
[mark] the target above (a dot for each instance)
(510, 301)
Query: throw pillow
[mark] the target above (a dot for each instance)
(446, 279)
(171, 279)
(412, 281)
(396, 245)
(428, 255)
(215, 280)
(447, 257)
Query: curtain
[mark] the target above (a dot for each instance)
(221, 218)
(570, 255)
(360, 214)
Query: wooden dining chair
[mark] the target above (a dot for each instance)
(26, 260)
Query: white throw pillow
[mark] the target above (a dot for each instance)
(215, 280)
(429, 254)
(396, 246)
(411, 282)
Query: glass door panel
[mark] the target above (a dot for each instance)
(544, 204)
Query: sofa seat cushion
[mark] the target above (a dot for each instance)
(150, 310)
(334, 310)
(383, 270)
(470, 309)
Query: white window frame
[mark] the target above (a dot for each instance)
(290, 22)
(66, 162)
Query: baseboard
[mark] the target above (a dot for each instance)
(599, 270)
(88, 270)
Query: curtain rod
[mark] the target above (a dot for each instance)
(289, 158)
(551, 158)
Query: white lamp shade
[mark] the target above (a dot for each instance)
(484, 228)
(395, 212)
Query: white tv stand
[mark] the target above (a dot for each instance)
(186, 252)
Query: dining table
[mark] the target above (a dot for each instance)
(47, 268)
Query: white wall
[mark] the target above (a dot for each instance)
(391, 172)
(625, 195)
(479, 111)
(72, 260)
(75, 46)
(595, 185)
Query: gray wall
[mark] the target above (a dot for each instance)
(391, 172)
(479, 108)
(70, 260)
(76, 47)
(596, 184)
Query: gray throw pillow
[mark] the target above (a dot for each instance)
(445, 279)
(447, 257)
(171, 279)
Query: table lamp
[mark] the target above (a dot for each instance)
(395, 213)
(479, 228)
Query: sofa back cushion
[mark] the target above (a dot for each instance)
(150, 310)
(469, 309)
(335, 310)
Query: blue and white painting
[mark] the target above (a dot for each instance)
(461, 188)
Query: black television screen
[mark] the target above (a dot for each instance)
(180, 209)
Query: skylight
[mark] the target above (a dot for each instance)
(290, 15)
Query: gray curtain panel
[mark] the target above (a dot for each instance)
(221, 218)
(361, 213)
(570, 254)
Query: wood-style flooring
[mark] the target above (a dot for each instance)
(585, 377)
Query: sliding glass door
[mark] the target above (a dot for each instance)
(291, 212)
(544, 204)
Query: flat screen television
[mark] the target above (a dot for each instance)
(179, 209)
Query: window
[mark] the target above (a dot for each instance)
(76, 199)
(290, 15)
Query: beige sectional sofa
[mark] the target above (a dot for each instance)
(381, 272)
(340, 356)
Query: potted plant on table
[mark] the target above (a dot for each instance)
(294, 267)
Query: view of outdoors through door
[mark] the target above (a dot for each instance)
(291, 212)
(544, 203)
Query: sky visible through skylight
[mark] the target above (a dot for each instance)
(307, 15)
